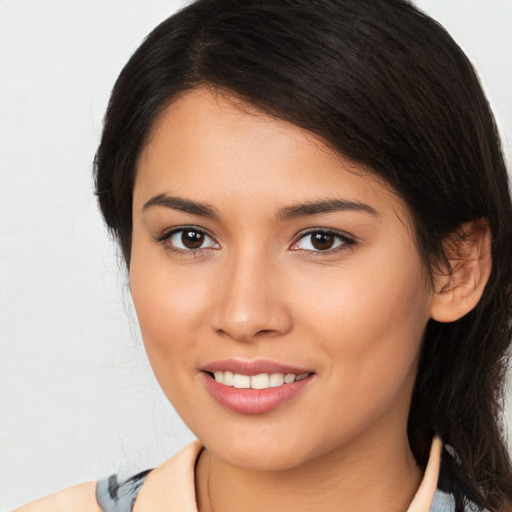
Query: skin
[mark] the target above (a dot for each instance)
(258, 289)
(79, 498)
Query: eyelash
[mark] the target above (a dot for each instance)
(165, 238)
(344, 240)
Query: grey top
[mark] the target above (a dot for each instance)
(115, 496)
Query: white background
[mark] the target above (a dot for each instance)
(77, 398)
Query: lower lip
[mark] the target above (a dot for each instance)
(254, 401)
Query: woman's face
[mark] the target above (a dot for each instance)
(259, 252)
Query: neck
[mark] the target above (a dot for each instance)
(378, 473)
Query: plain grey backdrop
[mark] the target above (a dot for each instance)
(77, 398)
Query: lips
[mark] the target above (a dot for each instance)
(254, 387)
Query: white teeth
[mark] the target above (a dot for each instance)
(241, 381)
(276, 379)
(260, 381)
(228, 379)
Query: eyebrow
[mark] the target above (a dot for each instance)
(287, 213)
(183, 205)
(327, 206)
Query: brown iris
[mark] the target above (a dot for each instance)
(192, 239)
(322, 241)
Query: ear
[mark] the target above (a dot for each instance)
(458, 288)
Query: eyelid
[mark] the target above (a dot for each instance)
(167, 234)
(347, 240)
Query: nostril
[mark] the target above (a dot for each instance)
(263, 331)
(245, 322)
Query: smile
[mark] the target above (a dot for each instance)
(254, 387)
(260, 381)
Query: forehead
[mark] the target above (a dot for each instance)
(216, 147)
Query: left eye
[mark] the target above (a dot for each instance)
(320, 241)
(190, 239)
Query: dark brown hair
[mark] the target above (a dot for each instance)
(386, 86)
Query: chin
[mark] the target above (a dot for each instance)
(259, 457)
(256, 450)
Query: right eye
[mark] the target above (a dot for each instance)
(188, 240)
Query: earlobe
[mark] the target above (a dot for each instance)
(458, 289)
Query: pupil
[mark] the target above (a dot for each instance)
(192, 239)
(322, 241)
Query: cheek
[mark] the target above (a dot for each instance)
(169, 313)
(370, 320)
(169, 306)
(374, 295)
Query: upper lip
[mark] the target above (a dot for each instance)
(254, 367)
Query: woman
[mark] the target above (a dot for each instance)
(313, 207)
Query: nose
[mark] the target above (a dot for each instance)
(251, 301)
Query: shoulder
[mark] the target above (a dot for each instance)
(79, 498)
